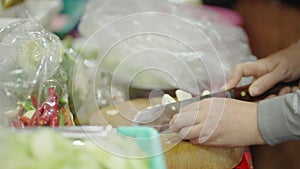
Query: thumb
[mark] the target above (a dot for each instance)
(265, 82)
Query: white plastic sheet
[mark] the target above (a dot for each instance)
(160, 45)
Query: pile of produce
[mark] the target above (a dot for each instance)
(48, 150)
(34, 77)
(52, 112)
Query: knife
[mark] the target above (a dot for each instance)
(160, 116)
(72, 132)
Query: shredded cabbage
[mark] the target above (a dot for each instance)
(49, 150)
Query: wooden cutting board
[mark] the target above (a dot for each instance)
(183, 155)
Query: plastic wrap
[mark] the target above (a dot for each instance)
(160, 45)
(42, 11)
(32, 84)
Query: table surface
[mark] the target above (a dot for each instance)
(182, 155)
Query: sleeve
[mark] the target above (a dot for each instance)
(279, 118)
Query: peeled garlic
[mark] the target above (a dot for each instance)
(182, 95)
(167, 99)
(205, 92)
(112, 112)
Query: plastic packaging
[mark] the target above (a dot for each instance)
(82, 146)
(41, 11)
(33, 87)
(160, 45)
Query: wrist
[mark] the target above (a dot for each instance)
(257, 137)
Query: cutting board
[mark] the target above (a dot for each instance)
(182, 155)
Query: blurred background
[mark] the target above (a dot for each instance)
(269, 26)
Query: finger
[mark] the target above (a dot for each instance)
(294, 89)
(265, 82)
(285, 90)
(271, 96)
(195, 141)
(182, 120)
(190, 132)
(172, 121)
(243, 70)
(187, 116)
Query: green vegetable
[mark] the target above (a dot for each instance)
(61, 118)
(45, 149)
(27, 105)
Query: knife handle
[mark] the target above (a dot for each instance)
(242, 92)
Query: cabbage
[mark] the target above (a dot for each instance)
(46, 149)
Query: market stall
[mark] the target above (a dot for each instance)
(83, 83)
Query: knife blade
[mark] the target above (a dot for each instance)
(76, 132)
(161, 115)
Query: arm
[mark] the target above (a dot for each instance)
(236, 123)
(279, 118)
(229, 122)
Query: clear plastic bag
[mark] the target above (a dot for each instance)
(160, 45)
(33, 87)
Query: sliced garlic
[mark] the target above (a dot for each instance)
(205, 92)
(182, 95)
(167, 99)
(149, 107)
(112, 112)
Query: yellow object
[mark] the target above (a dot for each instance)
(8, 3)
(243, 93)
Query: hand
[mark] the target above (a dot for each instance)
(218, 122)
(285, 90)
(281, 66)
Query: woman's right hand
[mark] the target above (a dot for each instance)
(283, 66)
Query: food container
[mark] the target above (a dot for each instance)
(81, 147)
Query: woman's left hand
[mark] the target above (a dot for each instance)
(218, 122)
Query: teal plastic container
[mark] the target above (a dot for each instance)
(149, 140)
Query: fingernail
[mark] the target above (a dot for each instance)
(224, 87)
(202, 139)
(173, 120)
(254, 91)
(174, 139)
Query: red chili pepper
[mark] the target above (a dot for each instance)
(25, 120)
(21, 111)
(54, 120)
(34, 101)
(53, 107)
(35, 118)
(43, 121)
(47, 113)
(17, 123)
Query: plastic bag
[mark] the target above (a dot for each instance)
(32, 84)
(160, 45)
(42, 11)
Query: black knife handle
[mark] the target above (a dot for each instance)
(242, 92)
